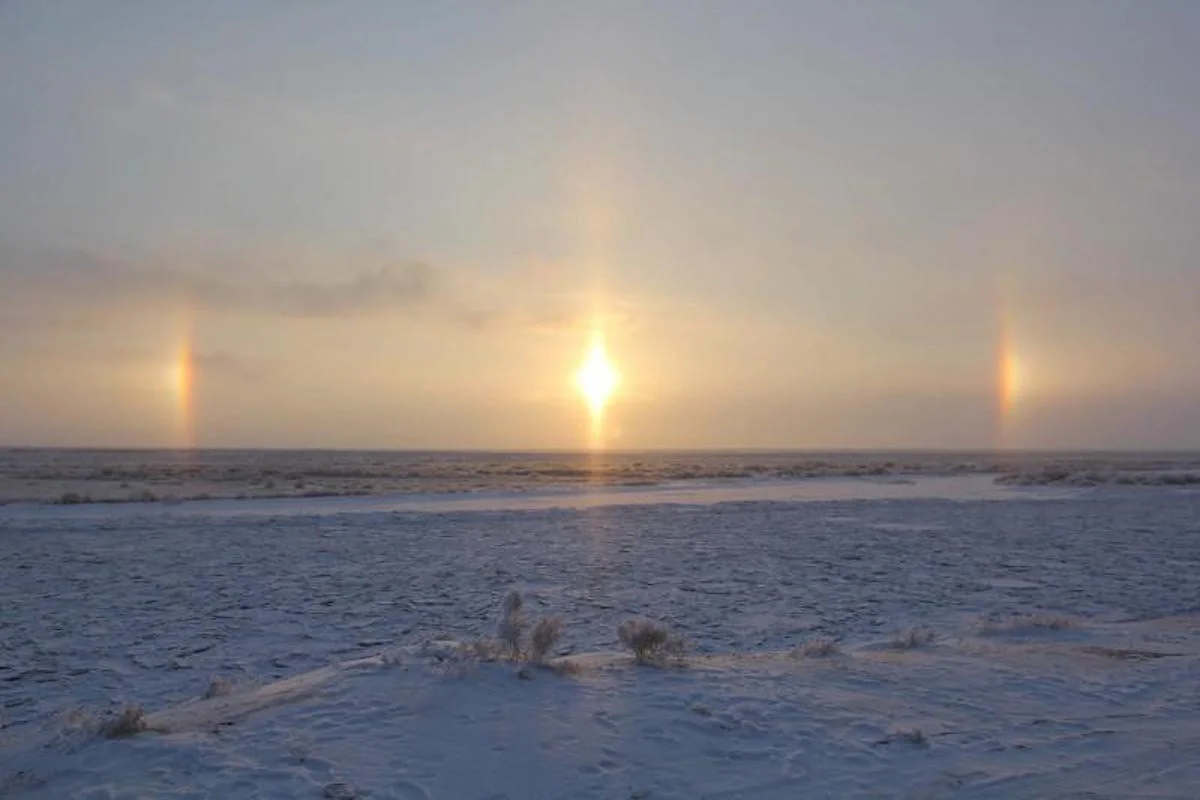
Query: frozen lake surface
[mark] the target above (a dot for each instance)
(1066, 659)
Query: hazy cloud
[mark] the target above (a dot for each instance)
(222, 364)
(387, 288)
(48, 286)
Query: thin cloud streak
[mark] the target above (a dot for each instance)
(83, 285)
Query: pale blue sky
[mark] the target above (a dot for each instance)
(799, 224)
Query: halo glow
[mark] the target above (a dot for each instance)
(597, 378)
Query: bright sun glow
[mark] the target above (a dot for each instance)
(597, 379)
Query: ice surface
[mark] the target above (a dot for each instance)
(104, 606)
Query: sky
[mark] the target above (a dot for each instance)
(919, 224)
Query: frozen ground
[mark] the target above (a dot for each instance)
(72, 477)
(102, 606)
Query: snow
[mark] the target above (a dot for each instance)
(692, 492)
(72, 477)
(1066, 658)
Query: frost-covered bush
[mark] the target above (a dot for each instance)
(512, 625)
(544, 636)
(515, 639)
(651, 642)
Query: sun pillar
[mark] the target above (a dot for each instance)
(182, 377)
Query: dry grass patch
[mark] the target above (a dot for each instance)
(1027, 622)
(566, 666)
(912, 638)
(819, 647)
(914, 737)
(1126, 653)
(544, 637)
(129, 721)
(651, 642)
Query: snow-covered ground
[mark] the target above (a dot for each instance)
(73, 477)
(1066, 660)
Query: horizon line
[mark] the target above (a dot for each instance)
(780, 450)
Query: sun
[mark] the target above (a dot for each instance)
(597, 378)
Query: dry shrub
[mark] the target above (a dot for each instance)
(458, 659)
(1125, 653)
(485, 650)
(515, 641)
(78, 719)
(912, 638)
(129, 721)
(913, 736)
(218, 687)
(512, 625)
(511, 634)
(651, 642)
(565, 666)
(820, 647)
(1026, 622)
(340, 791)
(545, 635)
(1051, 622)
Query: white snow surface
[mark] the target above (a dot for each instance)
(1066, 658)
(72, 477)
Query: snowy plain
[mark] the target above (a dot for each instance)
(1065, 658)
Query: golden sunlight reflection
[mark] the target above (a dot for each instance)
(597, 380)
